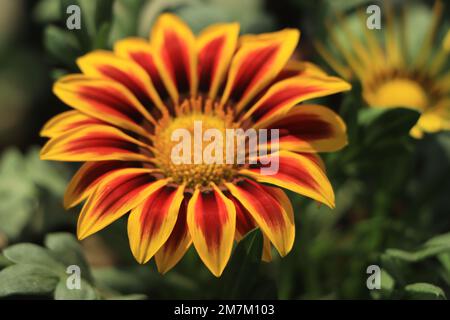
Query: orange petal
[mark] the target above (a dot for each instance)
(310, 128)
(256, 63)
(298, 173)
(66, 121)
(141, 52)
(215, 45)
(106, 64)
(211, 220)
(175, 55)
(94, 143)
(151, 223)
(88, 177)
(282, 96)
(103, 99)
(117, 194)
(271, 210)
(177, 244)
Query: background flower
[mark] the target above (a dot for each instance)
(392, 74)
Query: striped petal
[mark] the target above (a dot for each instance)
(117, 194)
(267, 250)
(215, 45)
(310, 128)
(244, 221)
(66, 121)
(294, 68)
(270, 209)
(299, 173)
(140, 51)
(103, 99)
(94, 143)
(88, 177)
(175, 53)
(211, 220)
(178, 243)
(106, 64)
(151, 223)
(256, 63)
(282, 96)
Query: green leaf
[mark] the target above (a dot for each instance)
(124, 23)
(27, 279)
(68, 251)
(47, 11)
(28, 253)
(243, 274)
(437, 245)
(62, 45)
(387, 124)
(86, 292)
(387, 286)
(129, 297)
(424, 291)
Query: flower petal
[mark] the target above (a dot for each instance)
(66, 121)
(271, 210)
(211, 220)
(244, 220)
(151, 223)
(215, 45)
(282, 96)
(88, 177)
(298, 173)
(294, 68)
(141, 52)
(117, 194)
(310, 128)
(177, 244)
(93, 143)
(106, 64)
(256, 63)
(267, 249)
(447, 41)
(103, 99)
(175, 55)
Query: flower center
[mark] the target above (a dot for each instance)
(186, 151)
(399, 92)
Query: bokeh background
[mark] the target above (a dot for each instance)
(392, 191)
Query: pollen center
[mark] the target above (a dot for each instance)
(190, 147)
(399, 93)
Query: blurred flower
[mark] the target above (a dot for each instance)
(389, 75)
(447, 41)
(129, 102)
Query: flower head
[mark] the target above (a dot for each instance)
(391, 75)
(128, 106)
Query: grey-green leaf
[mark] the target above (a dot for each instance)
(28, 253)
(28, 279)
(86, 292)
(69, 252)
(422, 290)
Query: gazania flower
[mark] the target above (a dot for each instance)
(391, 76)
(127, 104)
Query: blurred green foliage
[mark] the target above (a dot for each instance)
(391, 191)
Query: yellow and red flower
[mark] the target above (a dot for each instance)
(128, 102)
(390, 73)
